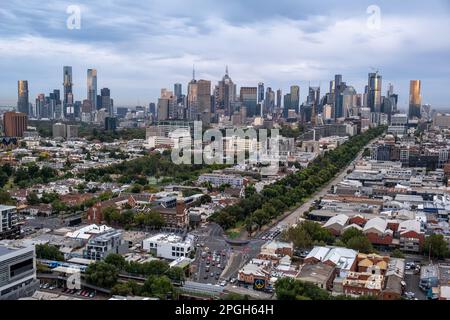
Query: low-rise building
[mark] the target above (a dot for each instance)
(216, 180)
(343, 259)
(169, 246)
(320, 274)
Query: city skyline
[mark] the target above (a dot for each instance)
(137, 50)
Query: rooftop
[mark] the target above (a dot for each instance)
(168, 238)
(10, 246)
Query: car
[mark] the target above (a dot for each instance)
(213, 264)
(218, 273)
(86, 294)
(205, 276)
(212, 274)
(223, 283)
(233, 280)
(219, 266)
(92, 294)
(51, 288)
(46, 285)
(217, 277)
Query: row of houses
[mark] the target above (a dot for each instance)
(406, 235)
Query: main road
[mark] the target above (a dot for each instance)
(297, 214)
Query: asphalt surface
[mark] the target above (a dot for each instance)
(297, 214)
(211, 238)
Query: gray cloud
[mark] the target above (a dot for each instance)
(140, 47)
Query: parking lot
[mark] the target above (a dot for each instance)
(54, 287)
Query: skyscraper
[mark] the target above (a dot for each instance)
(248, 97)
(260, 92)
(314, 100)
(279, 98)
(338, 100)
(40, 103)
(22, 96)
(225, 94)
(295, 98)
(68, 94)
(374, 92)
(105, 96)
(165, 105)
(56, 105)
(415, 99)
(269, 102)
(92, 87)
(178, 92)
(204, 101)
(286, 105)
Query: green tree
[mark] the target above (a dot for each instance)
(48, 252)
(116, 260)
(3, 179)
(5, 198)
(58, 206)
(397, 254)
(438, 246)
(176, 274)
(361, 244)
(101, 274)
(158, 286)
(122, 289)
(350, 233)
(291, 289)
(33, 199)
(155, 267)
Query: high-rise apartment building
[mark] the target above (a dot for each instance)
(92, 87)
(68, 94)
(260, 92)
(415, 99)
(374, 92)
(279, 98)
(15, 123)
(22, 96)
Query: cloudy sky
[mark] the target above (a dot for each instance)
(140, 48)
